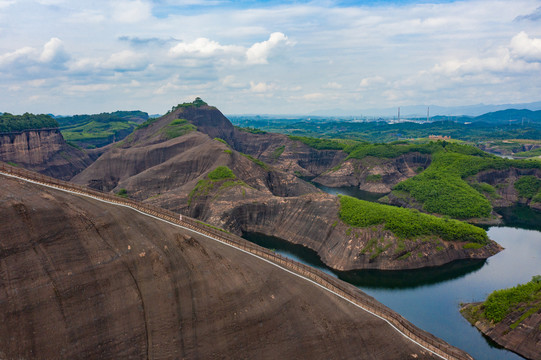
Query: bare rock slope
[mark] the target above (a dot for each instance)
(262, 197)
(85, 279)
(44, 151)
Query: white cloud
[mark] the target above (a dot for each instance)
(131, 11)
(230, 81)
(6, 3)
(11, 57)
(53, 51)
(524, 47)
(124, 61)
(260, 87)
(202, 47)
(370, 81)
(258, 53)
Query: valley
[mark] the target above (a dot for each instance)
(425, 196)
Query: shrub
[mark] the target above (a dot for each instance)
(501, 302)
(528, 186)
(374, 178)
(221, 172)
(406, 223)
(122, 192)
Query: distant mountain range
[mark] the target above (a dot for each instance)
(421, 110)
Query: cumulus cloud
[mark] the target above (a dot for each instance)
(52, 55)
(53, 51)
(258, 53)
(203, 47)
(524, 47)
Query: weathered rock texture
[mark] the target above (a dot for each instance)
(525, 339)
(261, 199)
(504, 183)
(375, 174)
(44, 151)
(83, 279)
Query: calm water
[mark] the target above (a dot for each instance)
(431, 298)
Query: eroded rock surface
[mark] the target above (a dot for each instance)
(44, 151)
(85, 279)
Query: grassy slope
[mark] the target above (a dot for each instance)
(407, 223)
(524, 299)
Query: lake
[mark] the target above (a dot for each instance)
(430, 298)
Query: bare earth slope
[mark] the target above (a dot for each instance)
(85, 279)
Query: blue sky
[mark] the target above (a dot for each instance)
(67, 57)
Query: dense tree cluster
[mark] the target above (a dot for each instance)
(407, 223)
(27, 121)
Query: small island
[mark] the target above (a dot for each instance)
(511, 317)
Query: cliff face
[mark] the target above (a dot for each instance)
(85, 279)
(503, 182)
(44, 151)
(523, 339)
(375, 174)
(312, 220)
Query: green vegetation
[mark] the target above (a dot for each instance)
(146, 123)
(278, 151)
(178, 127)
(122, 193)
(251, 130)
(319, 144)
(197, 103)
(374, 178)
(407, 223)
(222, 176)
(227, 151)
(100, 129)
(221, 172)
(441, 188)
(472, 246)
(485, 189)
(502, 302)
(528, 186)
(380, 131)
(10, 123)
(531, 153)
(221, 140)
(257, 161)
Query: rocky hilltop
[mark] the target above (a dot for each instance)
(170, 162)
(86, 279)
(44, 151)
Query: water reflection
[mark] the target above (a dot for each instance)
(351, 191)
(375, 279)
(521, 216)
(409, 279)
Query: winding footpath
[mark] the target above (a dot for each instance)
(343, 290)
